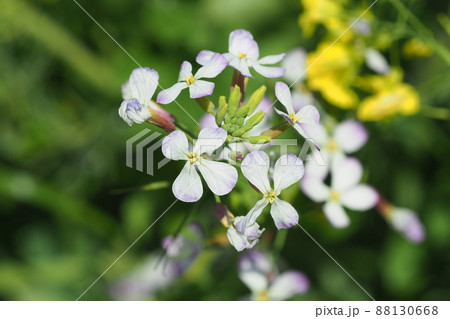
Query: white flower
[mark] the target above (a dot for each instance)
(246, 239)
(287, 170)
(376, 61)
(295, 65)
(261, 277)
(345, 191)
(347, 137)
(243, 54)
(197, 88)
(407, 223)
(138, 106)
(220, 177)
(306, 117)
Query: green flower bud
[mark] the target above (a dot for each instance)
(205, 104)
(221, 110)
(256, 118)
(233, 102)
(240, 121)
(255, 99)
(241, 130)
(243, 111)
(262, 139)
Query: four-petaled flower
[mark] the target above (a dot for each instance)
(197, 88)
(301, 121)
(262, 278)
(138, 106)
(288, 170)
(246, 239)
(220, 177)
(244, 54)
(345, 190)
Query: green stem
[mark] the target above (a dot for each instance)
(217, 198)
(435, 112)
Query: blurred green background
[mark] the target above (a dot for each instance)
(63, 153)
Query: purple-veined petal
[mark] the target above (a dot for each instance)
(241, 41)
(315, 189)
(131, 111)
(346, 172)
(283, 95)
(246, 240)
(336, 215)
(285, 116)
(272, 59)
(241, 65)
(185, 71)
(175, 146)
(200, 88)
(252, 215)
(295, 65)
(253, 269)
(301, 99)
(255, 168)
(220, 177)
(288, 170)
(283, 214)
(350, 135)
(213, 68)
(168, 95)
(208, 120)
(309, 115)
(318, 133)
(187, 187)
(376, 61)
(361, 197)
(209, 139)
(204, 56)
(288, 284)
(269, 71)
(142, 84)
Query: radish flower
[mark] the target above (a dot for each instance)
(220, 177)
(287, 170)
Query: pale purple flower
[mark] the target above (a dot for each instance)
(347, 137)
(220, 177)
(376, 61)
(306, 117)
(243, 54)
(407, 223)
(197, 88)
(288, 170)
(345, 191)
(262, 278)
(137, 93)
(295, 65)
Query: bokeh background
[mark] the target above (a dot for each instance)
(62, 155)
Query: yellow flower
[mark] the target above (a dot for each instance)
(416, 48)
(391, 97)
(333, 73)
(325, 12)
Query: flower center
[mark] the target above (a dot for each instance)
(294, 118)
(332, 145)
(263, 295)
(334, 196)
(189, 79)
(242, 55)
(193, 157)
(271, 195)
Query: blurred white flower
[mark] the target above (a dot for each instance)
(407, 222)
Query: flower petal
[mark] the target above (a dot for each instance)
(272, 59)
(309, 115)
(246, 240)
(288, 170)
(295, 65)
(204, 56)
(408, 223)
(185, 71)
(315, 189)
(361, 197)
(126, 91)
(241, 41)
(170, 94)
(269, 71)
(336, 214)
(215, 65)
(346, 172)
(142, 84)
(175, 146)
(283, 214)
(220, 177)
(253, 269)
(251, 216)
(200, 88)
(317, 168)
(209, 139)
(207, 120)
(188, 187)
(255, 168)
(350, 136)
(288, 284)
(285, 116)
(376, 61)
(283, 95)
(241, 65)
